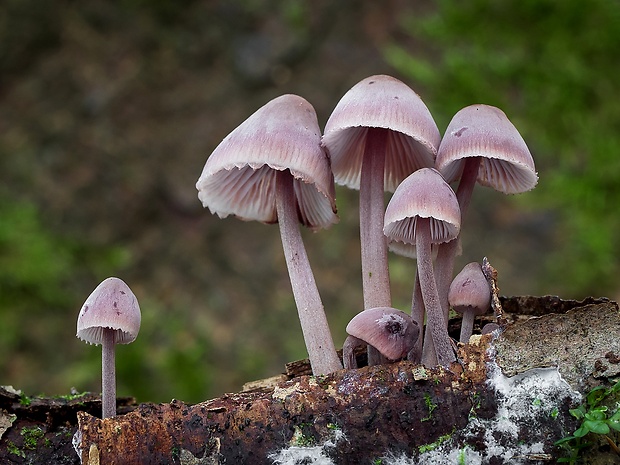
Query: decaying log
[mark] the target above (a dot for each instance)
(474, 413)
(39, 430)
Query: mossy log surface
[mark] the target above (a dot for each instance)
(356, 416)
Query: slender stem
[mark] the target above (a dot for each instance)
(429, 357)
(108, 374)
(446, 253)
(417, 315)
(434, 313)
(375, 274)
(321, 350)
(467, 326)
(467, 183)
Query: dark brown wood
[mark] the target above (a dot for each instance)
(355, 416)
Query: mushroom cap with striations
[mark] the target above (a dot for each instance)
(423, 194)
(390, 331)
(111, 305)
(470, 290)
(239, 176)
(485, 131)
(381, 102)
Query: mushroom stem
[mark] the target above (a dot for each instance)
(375, 274)
(446, 252)
(348, 351)
(417, 315)
(108, 374)
(467, 326)
(434, 312)
(314, 325)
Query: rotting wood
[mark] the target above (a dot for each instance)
(348, 416)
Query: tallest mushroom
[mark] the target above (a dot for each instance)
(378, 134)
(272, 169)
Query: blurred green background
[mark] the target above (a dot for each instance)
(108, 111)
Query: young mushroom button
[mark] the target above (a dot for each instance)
(272, 169)
(110, 315)
(392, 332)
(424, 211)
(469, 295)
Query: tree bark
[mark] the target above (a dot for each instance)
(359, 416)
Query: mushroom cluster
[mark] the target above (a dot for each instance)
(277, 167)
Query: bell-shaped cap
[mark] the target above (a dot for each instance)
(423, 194)
(239, 176)
(390, 331)
(111, 305)
(381, 102)
(470, 291)
(484, 131)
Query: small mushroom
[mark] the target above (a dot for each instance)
(392, 332)
(424, 210)
(489, 328)
(469, 295)
(480, 145)
(110, 315)
(272, 168)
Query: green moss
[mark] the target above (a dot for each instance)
(31, 437)
(462, 458)
(430, 405)
(476, 403)
(70, 397)
(333, 427)
(300, 439)
(14, 450)
(434, 445)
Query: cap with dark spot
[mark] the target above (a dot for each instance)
(111, 305)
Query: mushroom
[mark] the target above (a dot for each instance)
(110, 315)
(392, 332)
(480, 144)
(378, 134)
(489, 328)
(272, 169)
(470, 296)
(424, 211)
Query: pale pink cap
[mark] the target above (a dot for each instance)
(390, 331)
(381, 102)
(470, 290)
(485, 131)
(423, 194)
(239, 176)
(111, 305)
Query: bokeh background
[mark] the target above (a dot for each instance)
(108, 111)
